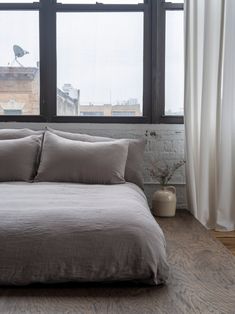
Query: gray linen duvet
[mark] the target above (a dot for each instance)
(60, 232)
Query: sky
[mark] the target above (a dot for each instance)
(98, 53)
(107, 52)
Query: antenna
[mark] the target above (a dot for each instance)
(19, 53)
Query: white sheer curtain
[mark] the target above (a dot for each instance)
(210, 111)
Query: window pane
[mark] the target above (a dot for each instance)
(19, 63)
(174, 69)
(100, 64)
(102, 1)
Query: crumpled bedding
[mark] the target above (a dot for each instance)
(64, 232)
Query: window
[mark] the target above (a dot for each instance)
(91, 61)
(168, 49)
(99, 65)
(174, 63)
(19, 63)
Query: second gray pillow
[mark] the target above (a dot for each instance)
(65, 160)
(134, 163)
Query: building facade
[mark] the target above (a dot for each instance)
(110, 110)
(20, 95)
(19, 91)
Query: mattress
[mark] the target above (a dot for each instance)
(62, 232)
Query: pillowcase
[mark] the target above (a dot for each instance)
(18, 158)
(8, 134)
(133, 170)
(65, 160)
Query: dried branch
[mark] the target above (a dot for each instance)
(164, 174)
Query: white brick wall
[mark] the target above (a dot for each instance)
(164, 142)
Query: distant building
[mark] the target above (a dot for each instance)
(126, 110)
(130, 101)
(68, 101)
(20, 92)
(109, 110)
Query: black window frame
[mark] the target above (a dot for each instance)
(154, 60)
(159, 9)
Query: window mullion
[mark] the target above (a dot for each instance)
(158, 60)
(147, 78)
(48, 58)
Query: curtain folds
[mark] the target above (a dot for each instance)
(210, 111)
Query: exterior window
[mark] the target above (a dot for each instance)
(107, 61)
(19, 63)
(100, 66)
(174, 63)
(92, 113)
(123, 113)
(168, 51)
(13, 112)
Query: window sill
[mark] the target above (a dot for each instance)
(75, 119)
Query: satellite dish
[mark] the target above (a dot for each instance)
(19, 53)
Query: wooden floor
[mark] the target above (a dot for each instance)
(202, 280)
(227, 238)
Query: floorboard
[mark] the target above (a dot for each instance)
(202, 280)
(227, 238)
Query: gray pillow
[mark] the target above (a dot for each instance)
(66, 160)
(18, 158)
(8, 134)
(133, 170)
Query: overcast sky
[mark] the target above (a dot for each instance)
(101, 54)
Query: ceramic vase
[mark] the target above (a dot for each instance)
(164, 202)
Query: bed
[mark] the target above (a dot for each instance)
(66, 232)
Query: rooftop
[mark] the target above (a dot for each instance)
(18, 73)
